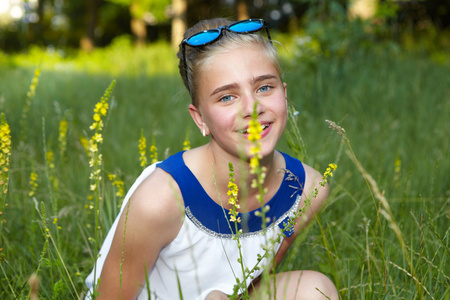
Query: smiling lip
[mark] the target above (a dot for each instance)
(266, 129)
(265, 126)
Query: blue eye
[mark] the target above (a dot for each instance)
(264, 88)
(226, 98)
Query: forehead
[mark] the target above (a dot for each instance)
(236, 65)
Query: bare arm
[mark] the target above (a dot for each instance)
(153, 221)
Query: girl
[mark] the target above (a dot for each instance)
(178, 234)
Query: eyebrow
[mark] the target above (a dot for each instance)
(224, 88)
(235, 85)
(262, 78)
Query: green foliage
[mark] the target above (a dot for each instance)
(391, 103)
(331, 31)
(139, 8)
(113, 60)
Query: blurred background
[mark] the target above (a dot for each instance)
(378, 68)
(86, 24)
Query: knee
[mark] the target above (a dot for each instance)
(216, 295)
(316, 285)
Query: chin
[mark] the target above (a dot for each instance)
(266, 150)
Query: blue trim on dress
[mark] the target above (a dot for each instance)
(202, 209)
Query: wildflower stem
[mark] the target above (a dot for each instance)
(27, 107)
(95, 162)
(51, 179)
(235, 218)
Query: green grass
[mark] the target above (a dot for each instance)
(394, 106)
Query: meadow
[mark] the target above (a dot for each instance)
(383, 234)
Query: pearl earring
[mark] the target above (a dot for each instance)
(203, 132)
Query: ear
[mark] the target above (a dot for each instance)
(196, 115)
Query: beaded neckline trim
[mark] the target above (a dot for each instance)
(261, 232)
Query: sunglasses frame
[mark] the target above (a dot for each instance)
(220, 30)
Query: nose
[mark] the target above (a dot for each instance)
(250, 103)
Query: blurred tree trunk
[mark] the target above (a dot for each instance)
(87, 42)
(242, 10)
(138, 26)
(178, 21)
(40, 23)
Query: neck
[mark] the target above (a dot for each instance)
(243, 177)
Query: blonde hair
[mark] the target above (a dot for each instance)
(198, 57)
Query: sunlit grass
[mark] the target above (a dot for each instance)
(393, 105)
(119, 59)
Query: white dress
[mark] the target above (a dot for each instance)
(204, 255)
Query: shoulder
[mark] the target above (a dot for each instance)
(157, 203)
(150, 220)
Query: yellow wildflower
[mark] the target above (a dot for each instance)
(5, 145)
(51, 166)
(62, 137)
(398, 165)
(254, 163)
(328, 173)
(33, 183)
(187, 142)
(254, 135)
(97, 137)
(27, 106)
(397, 169)
(120, 187)
(255, 149)
(233, 191)
(142, 149)
(95, 157)
(93, 146)
(34, 82)
(118, 184)
(97, 117)
(101, 107)
(186, 145)
(50, 159)
(234, 219)
(84, 143)
(5, 154)
(153, 154)
(254, 130)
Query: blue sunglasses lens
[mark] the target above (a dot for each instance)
(247, 26)
(204, 37)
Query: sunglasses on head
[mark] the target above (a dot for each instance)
(209, 36)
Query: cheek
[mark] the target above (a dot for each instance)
(282, 112)
(281, 106)
(219, 119)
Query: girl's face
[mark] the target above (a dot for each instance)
(228, 86)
